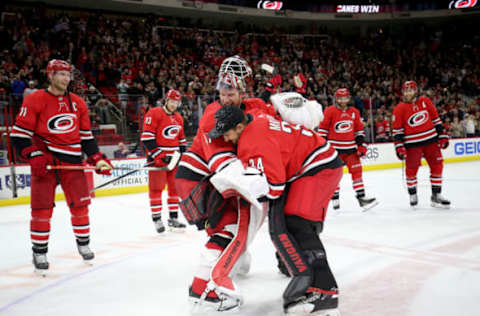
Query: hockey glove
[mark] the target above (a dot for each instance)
(300, 83)
(162, 159)
(361, 150)
(273, 83)
(38, 160)
(443, 141)
(401, 152)
(103, 164)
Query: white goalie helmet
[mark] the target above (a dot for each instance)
(295, 109)
(236, 65)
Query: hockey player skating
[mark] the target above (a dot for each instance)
(53, 128)
(228, 226)
(303, 171)
(418, 132)
(163, 136)
(342, 125)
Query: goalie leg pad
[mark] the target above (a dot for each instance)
(321, 288)
(286, 245)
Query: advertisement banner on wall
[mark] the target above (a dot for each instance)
(23, 176)
(379, 156)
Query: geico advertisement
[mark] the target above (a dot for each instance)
(465, 147)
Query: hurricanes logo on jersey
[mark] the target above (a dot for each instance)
(418, 118)
(171, 131)
(62, 123)
(344, 126)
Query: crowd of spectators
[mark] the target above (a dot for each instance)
(130, 62)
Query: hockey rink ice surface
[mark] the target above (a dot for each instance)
(389, 261)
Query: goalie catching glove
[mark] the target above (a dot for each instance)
(295, 109)
(102, 163)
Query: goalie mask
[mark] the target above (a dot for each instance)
(295, 109)
(230, 81)
(236, 65)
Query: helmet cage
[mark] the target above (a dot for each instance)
(237, 66)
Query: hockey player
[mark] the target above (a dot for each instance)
(342, 125)
(205, 157)
(417, 132)
(163, 136)
(53, 128)
(303, 171)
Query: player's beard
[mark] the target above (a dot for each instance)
(409, 99)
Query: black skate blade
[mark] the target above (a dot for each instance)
(369, 206)
(440, 206)
(179, 230)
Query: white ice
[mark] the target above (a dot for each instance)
(391, 260)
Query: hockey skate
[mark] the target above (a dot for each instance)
(86, 253)
(367, 203)
(336, 204)
(439, 201)
(413, 200)
(40, 263)
(204, 305)
(159, 225)
(313, 303)
(175, 226)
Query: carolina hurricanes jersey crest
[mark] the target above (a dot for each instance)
(341, 127)
(62, 123)
(418, 118)
(344, 126)
(171, 131)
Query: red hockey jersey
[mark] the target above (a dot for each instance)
(342, 128)
(417, 123)
(164, 131)
(284, 152)
(209, 155)
(57, 123)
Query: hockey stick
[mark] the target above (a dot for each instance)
(11, 153)
(123, 176)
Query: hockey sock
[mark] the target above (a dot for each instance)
(336, 195)
(40, 230)
(156, 206)
(81, 225)
(436, 182)
(412, 185)
(358, 188)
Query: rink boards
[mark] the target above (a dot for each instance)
(379, 156)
